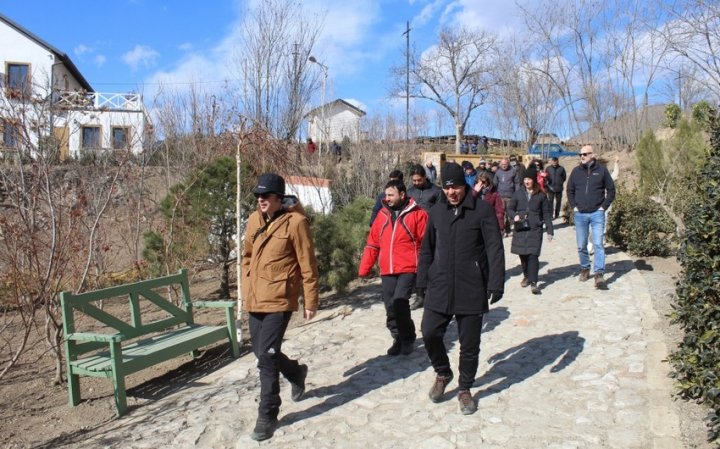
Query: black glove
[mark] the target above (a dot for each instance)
(420, 291)
(495, 296)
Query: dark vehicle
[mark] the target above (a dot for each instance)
(548, 150)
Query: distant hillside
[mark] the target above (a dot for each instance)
(625, 129)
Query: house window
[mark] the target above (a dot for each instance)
(91, 137)
(11, 134)
(18, 79)
(120, 138)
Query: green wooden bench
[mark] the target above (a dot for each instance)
(131, 345)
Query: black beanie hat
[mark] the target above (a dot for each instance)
(530, 172)
(453, 175)
(270, 183)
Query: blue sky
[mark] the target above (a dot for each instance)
(129, 45)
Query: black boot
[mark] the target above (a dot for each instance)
(264, 428)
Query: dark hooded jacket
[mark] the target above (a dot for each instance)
(462, 257)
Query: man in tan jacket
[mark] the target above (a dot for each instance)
(278, 264)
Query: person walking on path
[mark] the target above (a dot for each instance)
(507, 183)
(462, 267)
(530, 210)
(556, 177)
(278, 264)
(395, 238)
(590, 193)
(485, 189)
(423, 191)
(614, 175)
(431, 171)
(395, 174)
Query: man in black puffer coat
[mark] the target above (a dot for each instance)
(462, 266)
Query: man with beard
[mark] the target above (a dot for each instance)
(461, 269)
(395, 238)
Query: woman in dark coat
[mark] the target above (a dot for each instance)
(532, 204)
(485, 189)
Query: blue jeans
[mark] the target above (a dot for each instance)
(583, 223)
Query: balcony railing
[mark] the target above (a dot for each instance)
(97, 100)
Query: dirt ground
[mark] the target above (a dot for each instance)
(35, 413)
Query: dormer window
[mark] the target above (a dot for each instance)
(17, 82)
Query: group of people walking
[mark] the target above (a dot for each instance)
(441, 245)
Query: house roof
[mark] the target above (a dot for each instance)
(64, 58)
(339, 101)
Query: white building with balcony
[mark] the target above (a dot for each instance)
(47, 104)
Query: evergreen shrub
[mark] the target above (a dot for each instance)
(339, 241)
(696, 361)
(638, 225)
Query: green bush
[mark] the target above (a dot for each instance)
(696, 361)
(339, 242)
(672, 115)
(702, 114)
(639, 226)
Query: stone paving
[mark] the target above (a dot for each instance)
(571, 368)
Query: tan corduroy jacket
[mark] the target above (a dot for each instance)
(279, 264)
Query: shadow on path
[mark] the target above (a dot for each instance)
(527, 359)
(359, 380)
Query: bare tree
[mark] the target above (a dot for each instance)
(693, 33)
(277, 39)
(455, 74)
(525, 99)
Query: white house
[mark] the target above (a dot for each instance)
(336, 120)
(44, 98)
(312, 192)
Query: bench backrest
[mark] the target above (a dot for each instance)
(134, 327)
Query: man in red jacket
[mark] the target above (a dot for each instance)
(395, 239)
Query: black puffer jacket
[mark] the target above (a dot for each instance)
(538, 214)
(590, 187)
(462, 257)
(426, 197)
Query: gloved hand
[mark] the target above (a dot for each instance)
(494, 296)
(420, 291)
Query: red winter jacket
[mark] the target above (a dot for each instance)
(396, 242)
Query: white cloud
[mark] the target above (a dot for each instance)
(185, 46)
(82, 49)
(100, 60)
(141, 55)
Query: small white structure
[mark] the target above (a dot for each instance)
(44, 98)
(312, 192)
(336, 120)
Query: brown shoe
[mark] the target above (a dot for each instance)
(467, 403)
(438, 387)
(600, 283)
(524, 283)
(584, 274)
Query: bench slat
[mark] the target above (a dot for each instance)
(144, 353)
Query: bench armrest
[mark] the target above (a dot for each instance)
(87, 336)
(214, 304)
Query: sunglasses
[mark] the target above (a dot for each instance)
(585, 154)
(263, 195)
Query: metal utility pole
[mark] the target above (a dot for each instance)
(407, 82)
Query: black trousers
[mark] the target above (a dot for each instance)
(267, 331)
(434, 325)
(396, 292)
(531, 266)
(555, 202)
